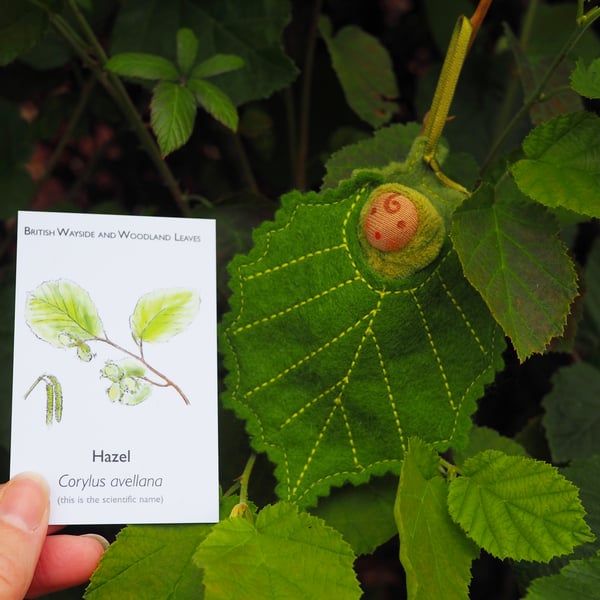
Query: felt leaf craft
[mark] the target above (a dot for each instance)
(330, 339)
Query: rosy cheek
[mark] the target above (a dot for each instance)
(392, 222)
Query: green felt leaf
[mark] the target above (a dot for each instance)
(387, 145)
(561, 167)
(572, 417)
(579, 579)
(364, 69)
(61, 307)
(215, 102)
(21, 26)
(585, 79)
(323, 349)
(517, 507)
(592, 283)
(187, 49)
(511, 253)
(216, 65)
(144, 66)
(285, 554)
(252, 30)
(363, 515)
(150, 562)
(173, 112)
(162, 314)
(484, 438)
(434, 551)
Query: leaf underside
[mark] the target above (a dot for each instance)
(323, 353)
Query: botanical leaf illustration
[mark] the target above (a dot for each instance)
(435, 553)
(518, 507)
(60, 308)
(334, 358)
(265, 558)
(162, 314)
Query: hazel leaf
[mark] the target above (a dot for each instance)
(162, 314)
(61, 307)
(518, 507)
(285, 554)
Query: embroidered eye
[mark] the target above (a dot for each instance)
(391, 222)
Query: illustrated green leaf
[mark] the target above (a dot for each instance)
(285, 554)
(21, 26)
(61, 307)
(572, 417)
(217, 65)
(152, 562)
(173, 114)
(517, 507)
(364, 69)
(252, 31)
(162, 314)
(578, 579)
(364, 514)
(561, 167)
(323, 350)
(187, 50)
(215, 102)
(585, 80)
(144, 66)
(434, 551)
(484, 438)
(511, 253)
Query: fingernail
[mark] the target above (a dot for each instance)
(101, 540)
(24, 501)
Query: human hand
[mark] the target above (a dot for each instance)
(31, 562)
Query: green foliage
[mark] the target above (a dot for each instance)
(285, 554)
(511, 253)
(518, 507)
(349, 367)
(365, 72)
(435, 554)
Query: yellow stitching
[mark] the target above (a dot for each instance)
(434, 350)
(289, 309)
(295, 261)
(310, 403)
(389, 391)
(313, 450)
(463, 315)
(349, 431)
(306, 358)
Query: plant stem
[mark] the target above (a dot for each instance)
(140, 359)
(115, 88)
(301, 157)
(582, 25)
(245, 479)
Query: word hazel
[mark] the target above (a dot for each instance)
(111, 457)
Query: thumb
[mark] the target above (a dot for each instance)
(24, 509)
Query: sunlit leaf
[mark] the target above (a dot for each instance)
(61, 307)
(215, 102)
(187, 49)
(162, 314)
(173, 115)
(144, 66)
(484, 438)
(517, 507)
(216, 65)
(434, 551)
(285, 554)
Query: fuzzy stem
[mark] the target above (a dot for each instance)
(245, 479)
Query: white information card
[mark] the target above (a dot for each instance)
(115, 366)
